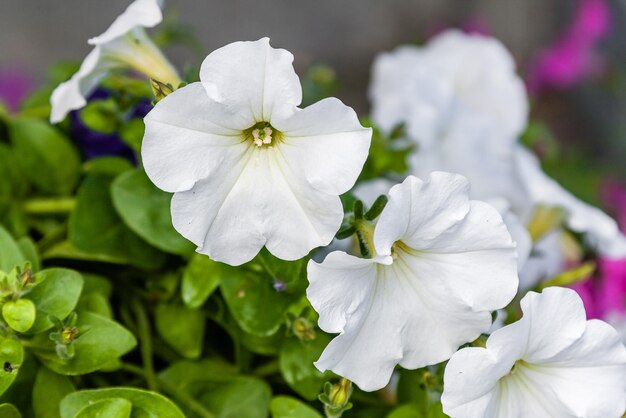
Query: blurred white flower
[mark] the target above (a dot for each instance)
(465, 107)
(552, 363)
(462, 103)
(248, 167)
(443, 263)
(123, 45)
(601, 232)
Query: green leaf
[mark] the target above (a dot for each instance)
(287, 407)
(9, 411)
(255, 305)
(95, 296)
(11, 359)
(200, 278)
(49, 389)
(406, 411)
(10, 253)
(29, 249)
(56, 293)
(100, 340)
(182, 328)
(146, 210)
(101, 116)
(216, 386)
(107, 408)
(242, 397)
(47, 158)
(19, 314)
(109, 167)
(95, 227)
(132, 133)
(184, 374)
(145, 404)
(296, 365)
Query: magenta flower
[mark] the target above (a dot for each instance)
(572, 58)
(604, 296)
(15, 84)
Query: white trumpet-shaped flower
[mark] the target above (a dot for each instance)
(465, 107)
(123, 45)
(552, 363)
(443, 263)
(247, 166)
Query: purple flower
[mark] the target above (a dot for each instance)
(95, 144)
(15, 84)
(571, 58)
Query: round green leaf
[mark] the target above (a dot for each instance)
(200, 279)
(287, 407)
(182, 328)
(9, 411)
(49, 389)
(11, 359)
(296, 365)
(47, 158)
(406, 411)
(107, 408)
(255, 305)
(19, 314)
(145, 404)
(242, 397)
(55, 294)
(96, 228)
(146, 211)
(100, 340)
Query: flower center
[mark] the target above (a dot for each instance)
(262, 134)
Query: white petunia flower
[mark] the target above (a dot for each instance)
(552, 363)
(465, 107)
(443, 263)
(247, 166)
(123, 45)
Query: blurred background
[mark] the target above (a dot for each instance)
(571, 52)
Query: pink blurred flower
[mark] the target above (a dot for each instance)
(571, 58)
(15, 84)
(605, 295)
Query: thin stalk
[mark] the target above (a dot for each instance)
(145, 339)
(49, 206)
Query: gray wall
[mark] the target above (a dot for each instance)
(345, 34)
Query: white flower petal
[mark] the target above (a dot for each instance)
(405, 89)
(253, 79)
(430, 300)
(140, 13)
(567, 320)
(391, 315)
(259, 200)
(442, 201)
(466, 241)
(186, 139)
(71, 94)
(600, 229)
(484, 77)
(329, 143)
(565, 366)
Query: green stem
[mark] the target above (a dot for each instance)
(365, 235)
(267, 369)
(49, 206)
(145, 339)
